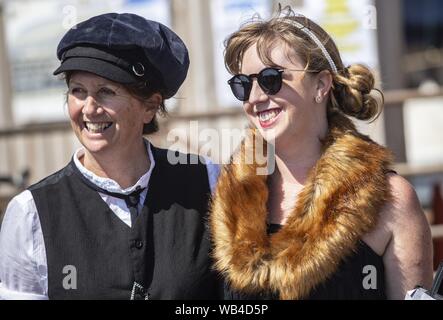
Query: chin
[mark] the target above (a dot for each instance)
(95, 146)
(270, 134)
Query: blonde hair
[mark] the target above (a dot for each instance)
(351, 87)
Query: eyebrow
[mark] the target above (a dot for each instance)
(98, 85)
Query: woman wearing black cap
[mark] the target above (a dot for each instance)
(119, 221)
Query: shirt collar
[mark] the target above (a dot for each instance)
(109, 184)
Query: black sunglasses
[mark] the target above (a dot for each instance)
(269, 79)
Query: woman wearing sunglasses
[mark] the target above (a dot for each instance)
(332, 221)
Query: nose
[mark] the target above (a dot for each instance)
(91, 106)
(257, 94)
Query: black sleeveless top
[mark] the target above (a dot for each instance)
(359, 276)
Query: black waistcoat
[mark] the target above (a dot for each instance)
(92, 254)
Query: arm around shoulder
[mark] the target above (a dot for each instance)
(408, 255)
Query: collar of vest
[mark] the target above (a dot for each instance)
(338, 204)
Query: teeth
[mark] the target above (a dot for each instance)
(97, 127)
(268, 115)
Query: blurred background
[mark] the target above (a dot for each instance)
(401, 40)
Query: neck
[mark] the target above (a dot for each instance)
(293, 166)
(295, 162)
(124, 167)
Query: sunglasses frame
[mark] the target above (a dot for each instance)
(258, 77)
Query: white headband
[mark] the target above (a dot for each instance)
(316, 40)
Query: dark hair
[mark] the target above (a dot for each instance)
(141, 92)
(351, 87)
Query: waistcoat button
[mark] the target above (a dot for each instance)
(138, 244)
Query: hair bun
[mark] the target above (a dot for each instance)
(361, 78)
(352, 92)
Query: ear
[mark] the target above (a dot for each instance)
(324, 84)
(152, 104)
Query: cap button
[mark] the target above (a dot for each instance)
(138, 69)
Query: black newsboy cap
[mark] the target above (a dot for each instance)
(126, 48)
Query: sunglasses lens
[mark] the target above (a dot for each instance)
(270, 80)
(240, 86)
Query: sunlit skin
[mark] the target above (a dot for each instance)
(297, 129)
(302, 121)
(118, 149)
(402, 236)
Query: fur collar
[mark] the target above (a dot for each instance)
(339, 203)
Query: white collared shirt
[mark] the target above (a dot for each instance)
(23, 265)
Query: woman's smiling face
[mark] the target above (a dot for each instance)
(104, 115)
(292, 112)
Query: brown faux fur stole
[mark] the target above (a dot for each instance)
(339, 204)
